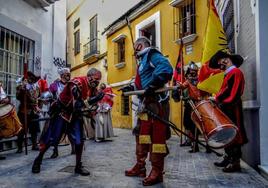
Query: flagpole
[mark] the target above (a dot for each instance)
(25, 67)
(182, 76)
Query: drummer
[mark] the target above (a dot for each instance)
(229, 100)
(191, 76)
(3, 100)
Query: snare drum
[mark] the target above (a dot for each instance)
(217, 128)
(9, 122)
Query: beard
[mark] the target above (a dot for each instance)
(222, 67)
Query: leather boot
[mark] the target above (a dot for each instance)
(38, 160)
(55, 153)
(20, 142)
(233, 167)
(186, 143)
(156, 174)
(80, 169)
(34, 142)
(73, 149)
(36, 166)
(139, 169)
(223, 163)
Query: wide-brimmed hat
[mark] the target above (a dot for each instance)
(237, 60)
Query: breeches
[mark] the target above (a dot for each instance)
(58, 127)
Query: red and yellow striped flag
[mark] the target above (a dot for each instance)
(210, 80)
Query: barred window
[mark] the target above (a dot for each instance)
(121, 50)
(125, 105)
(228, 25)
(77, 23)
(185, 19)
(13, 50)
(77, 42)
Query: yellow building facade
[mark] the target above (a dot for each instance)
(165, 22)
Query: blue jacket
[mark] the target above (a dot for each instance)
(154, 69)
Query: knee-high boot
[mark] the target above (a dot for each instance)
(141, 154)
(20, 141)
(38, 160)
(79, 169)
(34, 142)
(156, 174)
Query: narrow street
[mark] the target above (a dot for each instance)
(108, 160)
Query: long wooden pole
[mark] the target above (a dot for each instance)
(141, 92)
(25, 67)
(182, 79)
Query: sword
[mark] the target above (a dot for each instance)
(175, 129)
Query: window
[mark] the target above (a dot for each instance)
(121, 50)
(149, 32)
(228, 25)
(185, 19)
(125, 105)
(13, 49)
(92, 47)
(77, 42)
(76, 23)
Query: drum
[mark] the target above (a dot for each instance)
(9, 122)
(217, 128)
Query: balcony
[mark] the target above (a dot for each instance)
(92, 49)
(40, 3)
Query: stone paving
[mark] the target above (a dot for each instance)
(108, 160)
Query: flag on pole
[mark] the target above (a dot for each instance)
(210, 80)
(178, 74)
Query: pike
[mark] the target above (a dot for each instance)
(141, 92)
(49, 118)
(175, 129)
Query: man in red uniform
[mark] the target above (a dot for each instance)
(67, 111)
(229, 100)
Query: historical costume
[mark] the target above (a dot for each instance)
(191, 82)
(229, 100)
(103, 126)
(28, 90)
(68, 115)
(153, 72)
(56, 88)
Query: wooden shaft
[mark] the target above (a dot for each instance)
(141, 92)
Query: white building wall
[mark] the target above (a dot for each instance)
(38, 25)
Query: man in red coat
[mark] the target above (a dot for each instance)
(229, 100)
(68, 110)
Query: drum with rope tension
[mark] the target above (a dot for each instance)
(217, 128)
(9, 122)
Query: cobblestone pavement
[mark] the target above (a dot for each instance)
(108, 160)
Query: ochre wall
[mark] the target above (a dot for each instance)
(168, 47)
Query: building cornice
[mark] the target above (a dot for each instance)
(121, 22)
(101, 56)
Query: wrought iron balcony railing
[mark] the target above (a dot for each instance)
(92, 48)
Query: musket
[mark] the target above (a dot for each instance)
(176, 130)
(141, 92)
